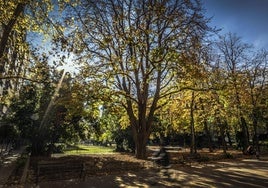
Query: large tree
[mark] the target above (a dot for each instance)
(256, 76)
(137, 48)
(234, 57)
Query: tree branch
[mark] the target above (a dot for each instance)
(21, 77)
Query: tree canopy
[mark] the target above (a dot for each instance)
(138, 70)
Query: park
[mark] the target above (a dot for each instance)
(129, 93)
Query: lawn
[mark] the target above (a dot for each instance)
(86, 149)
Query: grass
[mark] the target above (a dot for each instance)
(85, 149)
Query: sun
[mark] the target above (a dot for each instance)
(69, 65)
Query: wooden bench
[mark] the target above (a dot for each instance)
(50, 170)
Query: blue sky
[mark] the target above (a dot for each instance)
(247, 18)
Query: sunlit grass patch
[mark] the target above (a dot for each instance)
(85, 149)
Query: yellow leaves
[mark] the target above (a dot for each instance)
(7, 9)
(29, 19)
(124, 121)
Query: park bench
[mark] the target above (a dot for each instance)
(50, 170)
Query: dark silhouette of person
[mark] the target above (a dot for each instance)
(250, 150)
(161, 157)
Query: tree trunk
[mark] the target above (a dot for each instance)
(6, 33)
(227, 134)
(229, 138)
(208, 135)
(38, 148)
(245, 136)
(206, 129)
(255, 125)
(193, 144)
(140, 146)
(223, 142)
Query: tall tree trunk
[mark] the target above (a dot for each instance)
(243, 124)
(193, 144)
(140, 146)
(141, 131)
(223, 142)
(206, 129)
(208, 135)
(6, 33)
(227, 134)
(255, 125)
(229, 138)
(245, 136)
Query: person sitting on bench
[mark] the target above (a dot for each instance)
(161, 157)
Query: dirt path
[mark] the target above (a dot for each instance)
(228, 173)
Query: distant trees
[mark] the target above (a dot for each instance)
(244, 71)
(234, 58)
(256, 79)
(222, 105)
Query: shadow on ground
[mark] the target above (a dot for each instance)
(228, 173)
